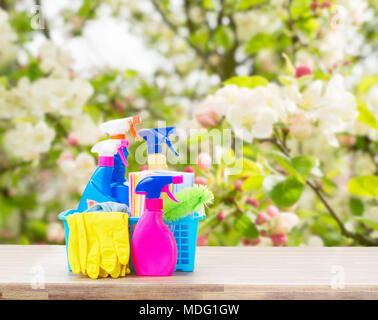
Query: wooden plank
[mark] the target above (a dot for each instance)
(40, 272)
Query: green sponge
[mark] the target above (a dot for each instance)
(191, 199)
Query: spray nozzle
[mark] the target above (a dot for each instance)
(124, 144)
(119, 127)
(156, 137)
(107, 148)
(153, 186)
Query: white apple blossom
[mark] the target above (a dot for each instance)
(252, 22)
(251, 117)
(315, 241)
(8, 49)
(77, 171)
(54, 60)
(355, 10)
(301, 127)
(216, 103)
(275, 98)
(27, 141)
(230, 93)
(337, 111)
(284, 222)
(63, 96)
(311, 97)
(85, 130)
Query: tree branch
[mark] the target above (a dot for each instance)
(45, 30)
(360, 238)
(203, 55)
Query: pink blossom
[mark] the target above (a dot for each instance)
(255, 242)
(72, 139)
(245, 241)
(326, 4)
(189, 169)
(279, 239)
(302, 70)
(202, 241)
(253, 202)
(221, 216)
(239, 183)
(347, 141)
(207, 118)
(301, 127)
(200, 180)
(272, 211)
(204, 161)
(143, 167)
(64, 156)
(262, 217)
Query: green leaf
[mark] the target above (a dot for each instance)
(366, 84)
(300, 8)
(200, 38)
(224, 37)
(248, 82)
(258, 42)
(364, 186)
(131, 73)
(208, 4)
(308, 25)
(253, 182)
(365, 115)
(304, 164)
(356, 206)
(245, 226)
(93, 112)
(284, 192)
(247, 168)
(247, 4)
(289, 66)
(299, 166)
(286, 80)
(370, 223)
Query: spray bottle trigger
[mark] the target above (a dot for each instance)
(168, 192)
(120, 152)
(132, 121)
(124, 144)
(170, 146)
(134, 132)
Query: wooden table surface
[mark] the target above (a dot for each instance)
(40, 272)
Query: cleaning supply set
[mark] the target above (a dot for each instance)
(100, 232)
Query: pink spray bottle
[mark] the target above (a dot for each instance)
(154, 248)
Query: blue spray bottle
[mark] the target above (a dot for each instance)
(155, 138)
(117, 129)
(99, 186)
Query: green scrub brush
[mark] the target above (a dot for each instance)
(190, 199)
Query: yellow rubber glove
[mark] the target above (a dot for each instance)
(98, 244)
(108, 240)
(77, 243)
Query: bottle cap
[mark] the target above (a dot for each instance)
(156, 137)
(118, 128)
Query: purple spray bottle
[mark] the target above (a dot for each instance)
(154, 248)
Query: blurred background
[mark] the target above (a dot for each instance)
(66, 66)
